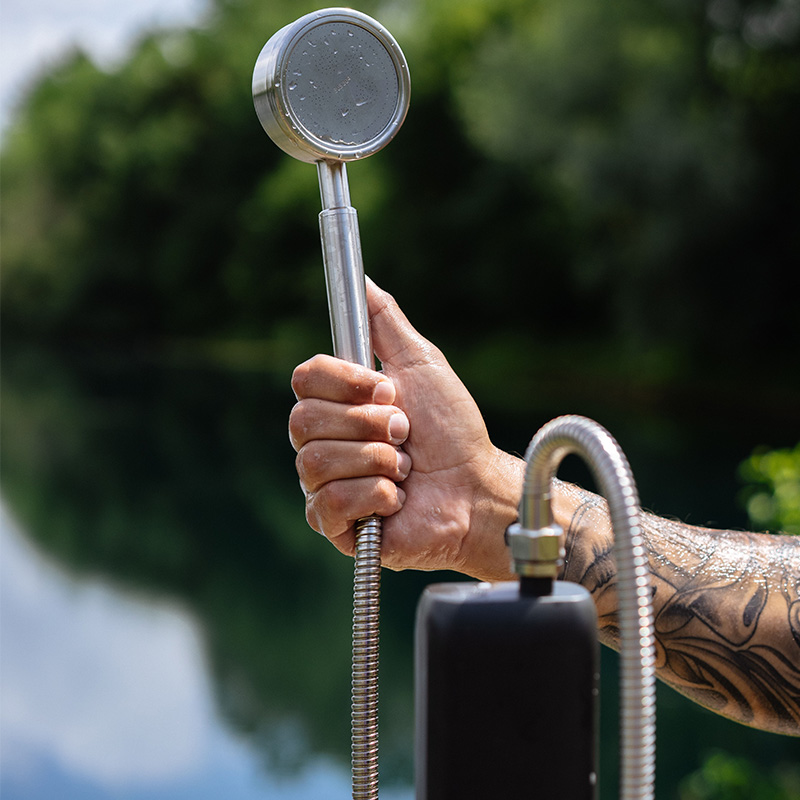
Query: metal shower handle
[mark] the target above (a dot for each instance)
(344, 268)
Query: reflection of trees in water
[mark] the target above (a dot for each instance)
(181, 481)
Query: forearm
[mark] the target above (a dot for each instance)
(726, 607)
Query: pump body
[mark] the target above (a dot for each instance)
(506, 690)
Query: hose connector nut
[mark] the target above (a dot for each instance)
(536, 553)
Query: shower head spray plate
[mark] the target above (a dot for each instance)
(332, 86)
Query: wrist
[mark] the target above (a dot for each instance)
(495, 507)
(581, 514)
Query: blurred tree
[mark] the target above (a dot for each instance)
(125, 191)
(657, 147)
(628, 168)
(772, 496)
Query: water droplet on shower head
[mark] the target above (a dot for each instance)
(344, 97)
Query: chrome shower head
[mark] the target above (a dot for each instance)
(331, 86)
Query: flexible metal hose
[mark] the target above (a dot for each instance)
(366, 636)
(573, 434)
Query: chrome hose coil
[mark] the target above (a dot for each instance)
(366, 639)
(609, 466)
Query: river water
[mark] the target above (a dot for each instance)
(172, 629)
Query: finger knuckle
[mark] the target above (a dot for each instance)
(308, 465)
(337, 499)
(312, 517)
(300, 377)
(385, 497)
(298, 422)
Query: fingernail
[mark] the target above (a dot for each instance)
(384, 393)
(401, 496)
(403, 463)
(398, 428)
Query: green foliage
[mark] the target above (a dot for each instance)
(772, 497)
(633, 162)
(125, 192)
(617, 108)
(726, 777)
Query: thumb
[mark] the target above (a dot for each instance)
(395, 340)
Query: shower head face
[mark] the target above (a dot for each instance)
(332, 86)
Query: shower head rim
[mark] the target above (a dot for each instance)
(273, 103)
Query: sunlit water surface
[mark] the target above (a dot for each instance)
(106, 694)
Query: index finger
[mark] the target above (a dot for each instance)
(327, 378)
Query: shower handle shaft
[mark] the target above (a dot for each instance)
(344, 268)
(347, 305)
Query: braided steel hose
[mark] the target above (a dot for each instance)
(584, 437)
(366, 637)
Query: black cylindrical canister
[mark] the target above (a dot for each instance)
(506, 689)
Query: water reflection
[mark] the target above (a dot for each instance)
(193, 640)
(107, 694)
(202, 638)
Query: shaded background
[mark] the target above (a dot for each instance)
(592, 208)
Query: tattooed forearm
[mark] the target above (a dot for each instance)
(726, 608)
